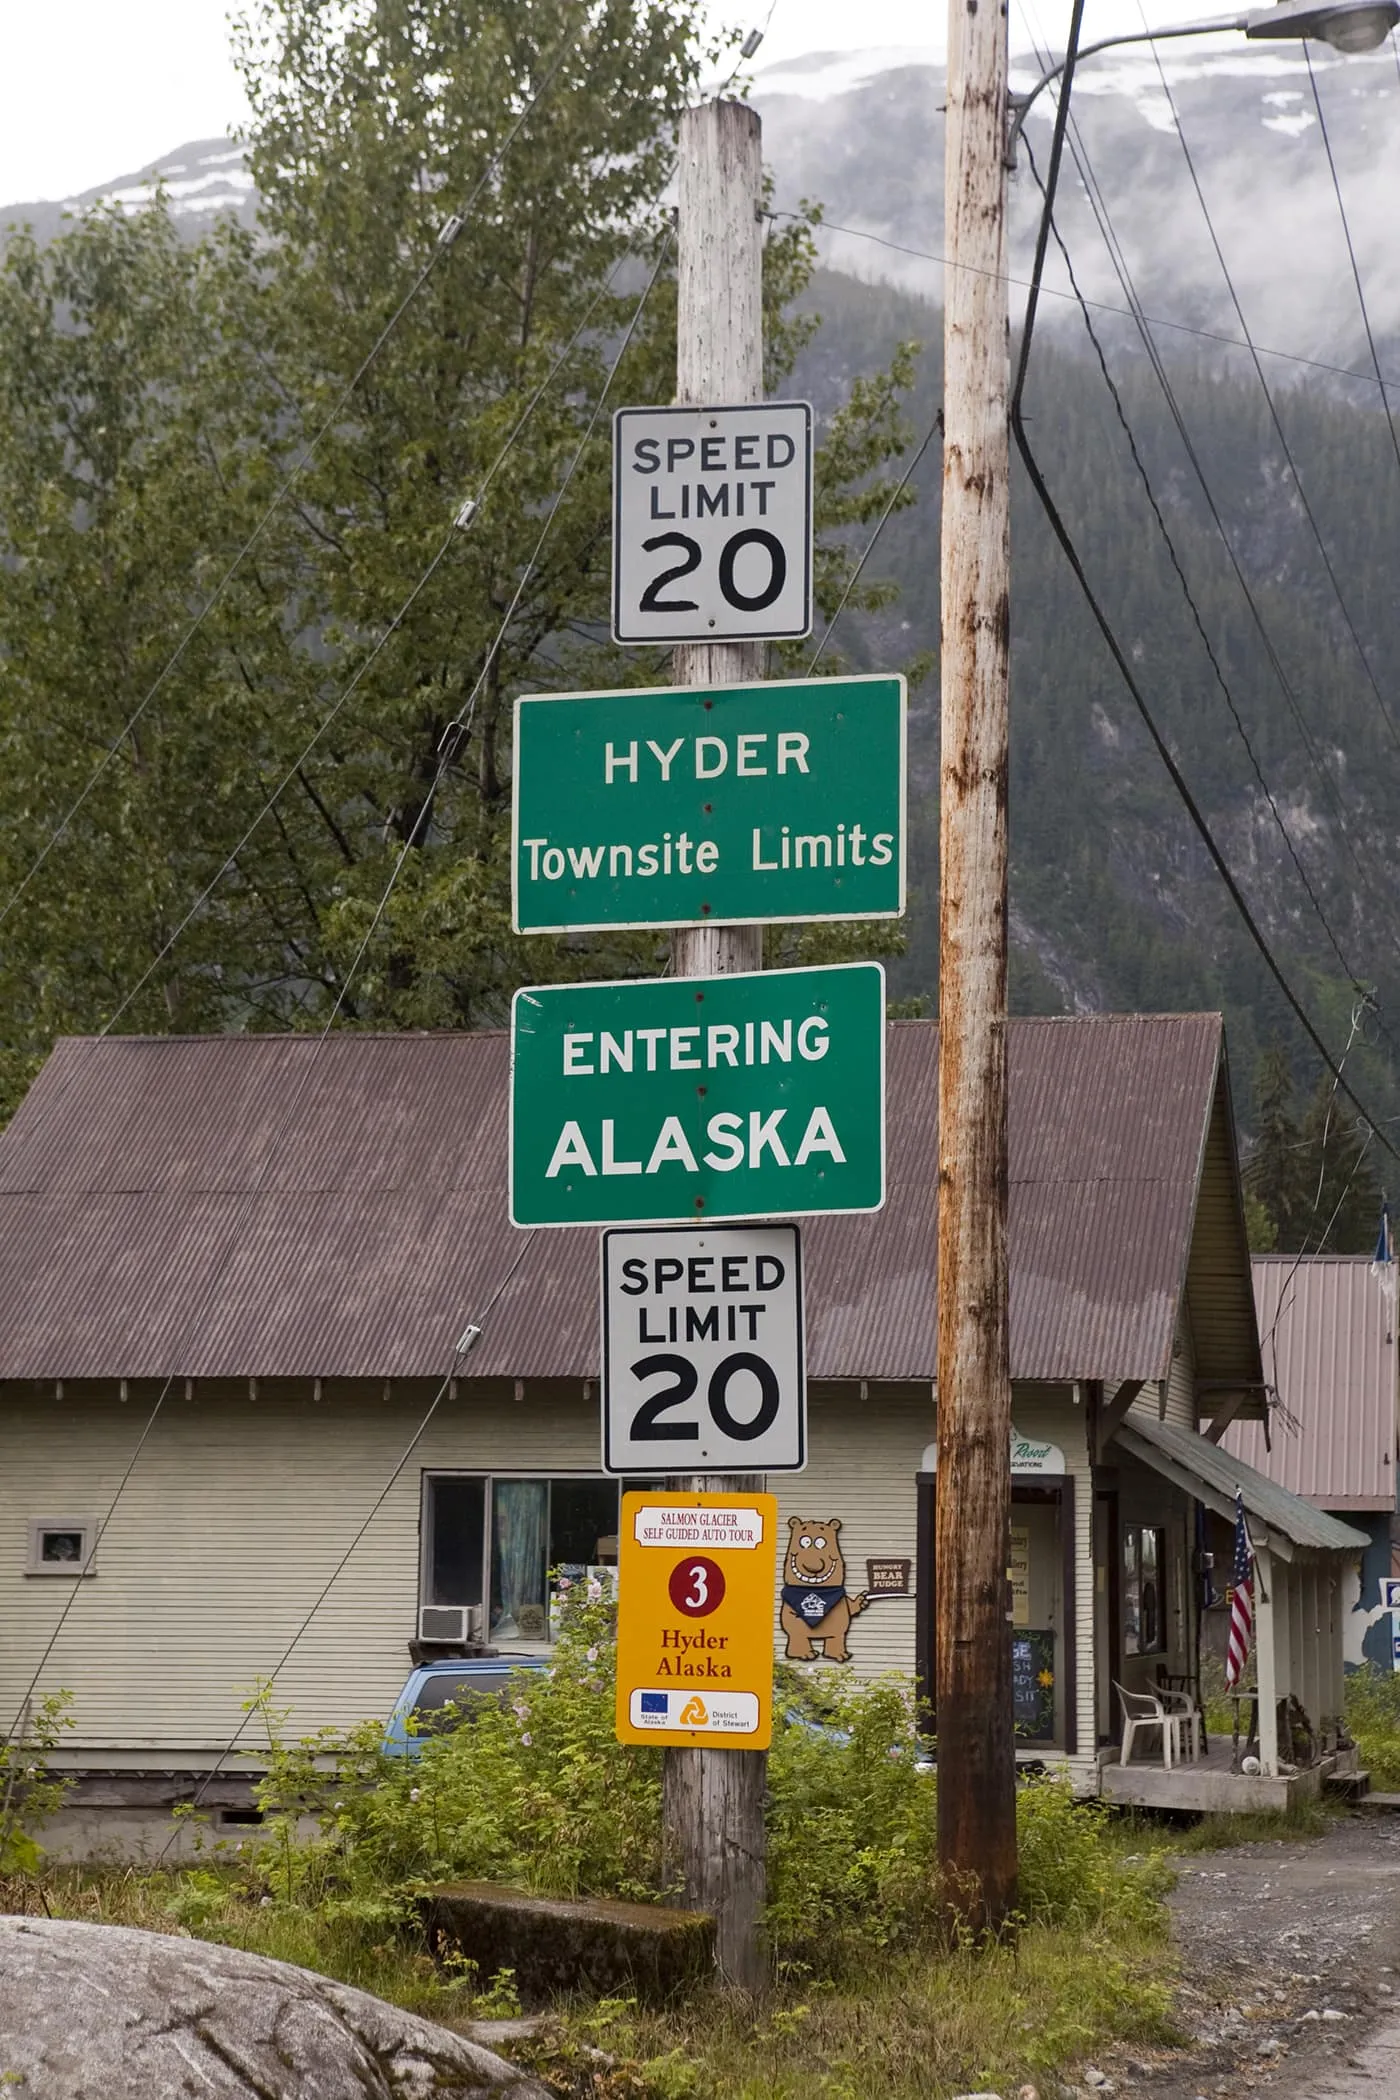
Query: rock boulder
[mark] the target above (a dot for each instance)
(100, 2012)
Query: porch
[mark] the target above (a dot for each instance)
(1209, 1786)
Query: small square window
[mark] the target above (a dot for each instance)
(61, 1546)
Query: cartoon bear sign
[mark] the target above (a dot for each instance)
(815, 1606)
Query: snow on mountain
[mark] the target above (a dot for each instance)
(863, 133)
(200, 180)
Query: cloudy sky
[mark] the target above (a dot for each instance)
(89, 90)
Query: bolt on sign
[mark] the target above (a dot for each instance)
(695, 1588)
(712, 523)
(680, 1100)
(738, 804)
(702, 1350)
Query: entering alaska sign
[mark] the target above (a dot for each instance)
(685, 1100)
(734, 804)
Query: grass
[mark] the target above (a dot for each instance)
(906, 2026)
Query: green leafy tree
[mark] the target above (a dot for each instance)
(229, 867)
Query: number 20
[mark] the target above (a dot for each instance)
(651, 600)
(648, 1427)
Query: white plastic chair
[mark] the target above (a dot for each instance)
(1144, 1710)
(1187, 1714)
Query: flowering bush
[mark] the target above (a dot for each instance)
(535, 1790)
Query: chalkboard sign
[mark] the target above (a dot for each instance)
(1033, 1684)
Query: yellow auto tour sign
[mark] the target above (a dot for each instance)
(696, 1576)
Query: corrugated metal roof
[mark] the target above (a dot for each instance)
(141, 1232)
(1219, 1473)
(1328, 1341)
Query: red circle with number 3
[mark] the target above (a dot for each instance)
(697, 1586)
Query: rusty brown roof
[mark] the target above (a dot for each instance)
(1328, 1334)
(265, 1206)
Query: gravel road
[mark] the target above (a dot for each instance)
(1291, 1972)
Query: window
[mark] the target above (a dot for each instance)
(61, 1546)
(1144, 1587)
(496, 1541)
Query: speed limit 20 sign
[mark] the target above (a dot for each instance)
(712, 523)
(702, 1350)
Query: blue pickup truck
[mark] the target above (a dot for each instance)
(443, 1694)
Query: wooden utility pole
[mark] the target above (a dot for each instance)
(714, 1798)
(976, 1760)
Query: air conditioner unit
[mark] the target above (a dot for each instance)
(450, 1622)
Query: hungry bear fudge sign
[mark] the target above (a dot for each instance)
(702, 1350)
(695, 1620)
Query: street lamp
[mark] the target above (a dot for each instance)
(1347, 25)
(972, 1655)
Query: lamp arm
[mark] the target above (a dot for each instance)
(1019, 105)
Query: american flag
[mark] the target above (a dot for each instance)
(1241, 1599)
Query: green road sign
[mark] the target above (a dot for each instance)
(672, 1100)
(681, 805)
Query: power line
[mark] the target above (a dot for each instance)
(1274, 416)
(1098, 204)
(1103, 306)
(1188, 595)
(466, 1341)
(854, 578)
(447, 235)
(221, 1266)
(464, 518)
(1101, 619)
(1351, 251)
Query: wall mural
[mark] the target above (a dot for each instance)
(815, 1604)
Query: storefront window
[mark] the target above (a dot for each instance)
(497, 1542)
(1144, 1577)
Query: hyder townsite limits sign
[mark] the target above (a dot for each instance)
(681, 1100)
(728, 804)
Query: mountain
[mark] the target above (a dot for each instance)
(200, 180)
(864, 134)
(1114, 901)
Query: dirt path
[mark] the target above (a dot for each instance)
(1291, 1959)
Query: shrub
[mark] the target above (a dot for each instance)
(535, 1790)
(1372, 1712)
(1073, 1873)
(30, 1794)
(852, 1844)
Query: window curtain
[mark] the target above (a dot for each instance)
(518, 1523)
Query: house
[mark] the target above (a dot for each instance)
(1327, 1328)
(234, 1273)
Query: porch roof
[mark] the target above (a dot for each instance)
(1202, 1469)
(286, 1207)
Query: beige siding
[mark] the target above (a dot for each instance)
(1173, 1399)
(1180, 1404)
(235, 1516)
(864, 1456)
(238, 1512)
